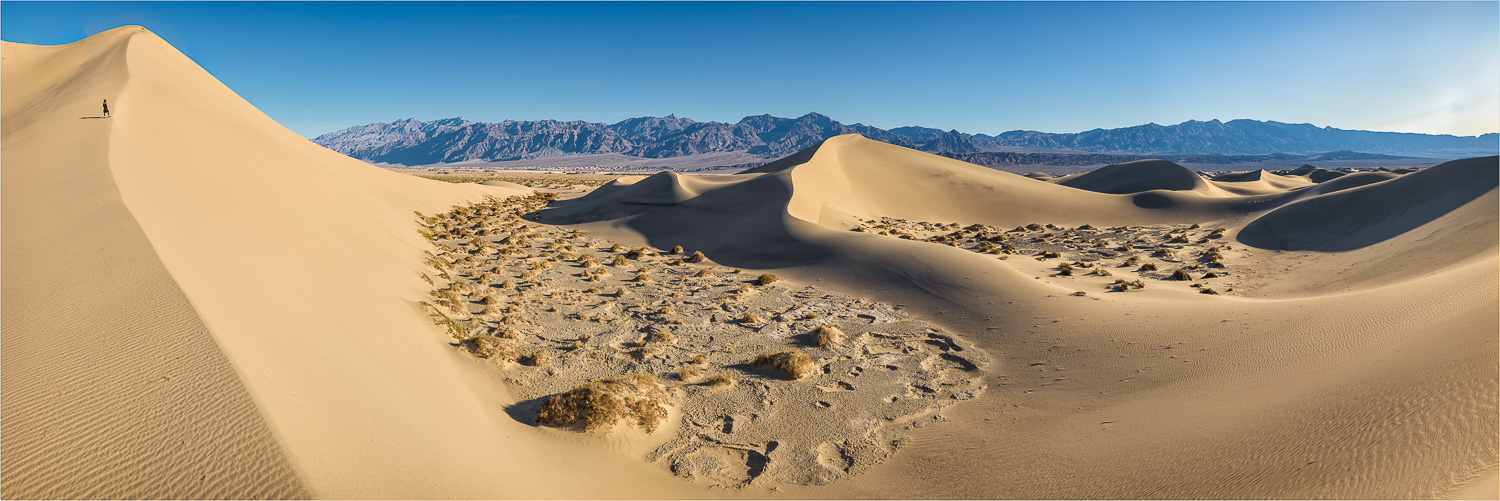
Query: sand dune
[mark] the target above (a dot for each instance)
(302, 264)
(1362, 216)
(1350, 181)
(1315, 174)
(1129, 401)
(106, 364)
(252, 299)
(1139, 176)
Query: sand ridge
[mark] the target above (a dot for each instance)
(112, 385)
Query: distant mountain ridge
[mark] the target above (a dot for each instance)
(412, 142)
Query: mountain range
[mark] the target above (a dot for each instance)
(450, 140)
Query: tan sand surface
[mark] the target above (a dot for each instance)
(1354, 357)
(112, 386)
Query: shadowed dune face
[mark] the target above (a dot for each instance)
(1316, 174)
(1360, 217)
(1138, 176)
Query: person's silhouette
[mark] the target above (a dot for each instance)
(106, 108)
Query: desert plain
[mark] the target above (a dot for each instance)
(199, 303)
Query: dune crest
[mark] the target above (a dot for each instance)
(106, 363)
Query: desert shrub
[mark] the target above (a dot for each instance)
(1147, 267)
(1207, 290)
(1210, 275)
(703, 273)
(1050, 255)
(750, 318)
(510, 334)
(1181, 274)
(1122, 285)
(642, 277)
(636, 253)
(619, 261)
(689, 372)
(493, 347)
(616, 248)
(676, 249)
(793, 363)
(766, 279)
(641, 398)
(697, 257)
(1101, 272)
(539, 358)
(661, 335)
(1065, 269)
(720, 380)
(700, 360)
(827, 335)
(643, 352)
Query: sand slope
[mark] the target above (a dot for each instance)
(303, 265)
(1362, 216)
(112, 386)
(1315, 391)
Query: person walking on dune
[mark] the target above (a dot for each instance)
(106, 108)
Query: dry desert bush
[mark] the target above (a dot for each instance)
(793, 363)
(827, 335)
(641, 398)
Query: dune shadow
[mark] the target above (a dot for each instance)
(1359, 217)
(525, 412)
(1151, 200)
(90, 118)
(743, 224)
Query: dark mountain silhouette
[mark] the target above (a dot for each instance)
(412, 142)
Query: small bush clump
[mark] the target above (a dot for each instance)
(720, 380)
(1181, 274)
(641, 398)
(697, 257)
(827, 335)
(766, 279)
(493, 347)
(794, 363)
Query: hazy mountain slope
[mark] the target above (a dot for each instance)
(411, 142)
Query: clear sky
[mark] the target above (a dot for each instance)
(977, 67)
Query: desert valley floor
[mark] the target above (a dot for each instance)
(198, 303)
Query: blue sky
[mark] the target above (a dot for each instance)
(977, 67)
